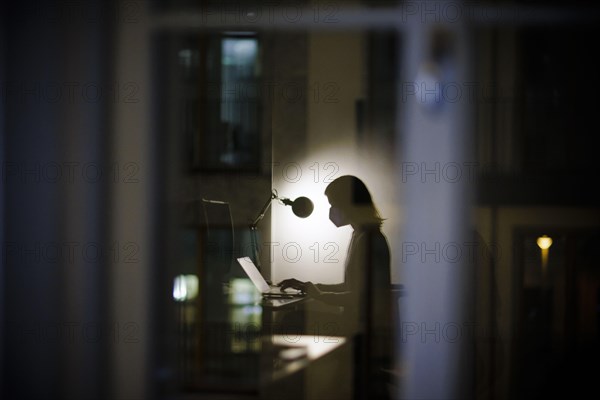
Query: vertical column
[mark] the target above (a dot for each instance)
(131, 217)
(433, 171)
(31, 214)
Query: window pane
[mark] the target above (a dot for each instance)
(210, 100)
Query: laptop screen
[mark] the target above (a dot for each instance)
(254, 274)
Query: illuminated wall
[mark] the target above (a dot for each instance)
(313, 248)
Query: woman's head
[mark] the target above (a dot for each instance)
(351, 202)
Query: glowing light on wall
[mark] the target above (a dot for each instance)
(313, 248)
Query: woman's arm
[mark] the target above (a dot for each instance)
(296, 284)
(315, 292)
(335, 298)
(336, 287)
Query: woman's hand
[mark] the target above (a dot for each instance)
(307, 287)
(293, 283)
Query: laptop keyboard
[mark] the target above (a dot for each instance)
(288, 292)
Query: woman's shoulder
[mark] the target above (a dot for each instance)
(372, 235)
(372, 243)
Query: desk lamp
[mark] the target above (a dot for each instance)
(302, 207)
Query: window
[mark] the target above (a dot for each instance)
(215, 105)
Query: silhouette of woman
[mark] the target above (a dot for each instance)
(365, 293)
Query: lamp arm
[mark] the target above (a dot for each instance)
(254, 229)
(262, 212)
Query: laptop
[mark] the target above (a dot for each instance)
(261, 284)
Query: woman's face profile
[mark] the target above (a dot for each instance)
(337, 216)
(351, 203)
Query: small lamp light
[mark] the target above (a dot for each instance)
(544, 242)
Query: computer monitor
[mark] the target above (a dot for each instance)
(216, 230)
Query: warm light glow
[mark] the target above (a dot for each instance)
(185, 287)
(309, 248)
(313, 248)
(544, 242)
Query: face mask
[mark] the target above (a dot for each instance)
(337, 217)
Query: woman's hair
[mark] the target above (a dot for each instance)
(351, 195)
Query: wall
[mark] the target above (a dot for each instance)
(313, 248)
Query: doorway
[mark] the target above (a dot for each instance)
(557, 330)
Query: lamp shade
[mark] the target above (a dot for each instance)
(302, 207)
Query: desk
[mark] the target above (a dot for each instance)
(274, 312)
(306, 367)
(244, 351)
